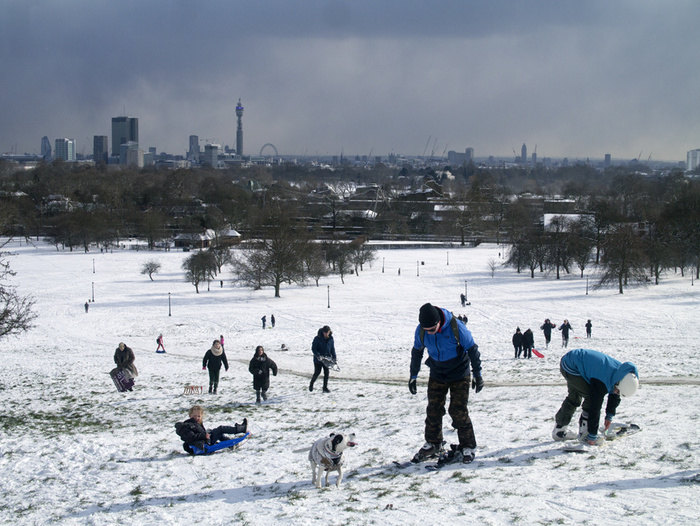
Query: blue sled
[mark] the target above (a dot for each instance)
(218, 446)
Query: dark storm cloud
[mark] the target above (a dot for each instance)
(578, 78)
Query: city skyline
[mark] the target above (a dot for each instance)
(325, 77)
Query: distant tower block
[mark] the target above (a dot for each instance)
(239, 129)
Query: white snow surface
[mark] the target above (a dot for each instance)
(75, 451)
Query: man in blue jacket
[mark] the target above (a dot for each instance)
(451, 350)
(591, 375)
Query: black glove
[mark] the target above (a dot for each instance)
(412, 386)
(478, 383)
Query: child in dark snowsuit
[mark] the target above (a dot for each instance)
(193, 433)
(214, 357)
(260, 367)
(589, 326)
(518, 342)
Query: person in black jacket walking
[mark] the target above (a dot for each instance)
(528, 343)
(260, 366)
(323, 347)
(518, 342)
(213, 359)
(547, 327)
(565, 328)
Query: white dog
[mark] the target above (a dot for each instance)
(327, 455)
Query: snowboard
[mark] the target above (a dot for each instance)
(537, 353)
(617, 430)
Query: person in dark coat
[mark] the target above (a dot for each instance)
(264, 321)
(565, 328)
(589, 326)
(124, 358)
(272, 320)
(193, 433)
(547, 327)
(260, 366)
(323, 346)
(528, 343)
(213, 359)
(518, 342)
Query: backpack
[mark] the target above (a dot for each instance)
(157, 340)
(455, 330)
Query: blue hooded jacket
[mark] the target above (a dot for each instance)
(590, 364)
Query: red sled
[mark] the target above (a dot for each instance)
(537, 353)
(122, 380)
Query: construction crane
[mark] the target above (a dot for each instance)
(426, 146)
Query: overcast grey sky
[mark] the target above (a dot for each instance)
(576, 78)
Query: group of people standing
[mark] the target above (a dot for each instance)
(524, 342)
(264, 321)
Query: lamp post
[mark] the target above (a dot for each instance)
(586, 285)
(382, 265)
(465, 290)
(93, 292)
(93, 266)
(448, 258)
(417, 269)
(329, 296)
(169, 310)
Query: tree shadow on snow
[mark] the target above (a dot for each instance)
(250, 493)
(666, 481)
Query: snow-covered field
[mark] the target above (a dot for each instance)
(74, 451)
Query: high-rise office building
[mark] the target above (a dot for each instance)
(693, 159)
(124, 129)
(46, 148)
(607, 161)
(65, 149)
(211, 154)
(239, 129)
(100, 148)
(193, 153)
(523, 154)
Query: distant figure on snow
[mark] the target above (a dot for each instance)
(547, 329)
(213, 359)
(272, 320)
(263, 320)
(565, 328)
(463, 299)
(528, 343)
(159, 341)
(518, 342)
(87, 306)
(589, 326)
(323, 347)
(221, 341)
(124, 358)
(260, 366)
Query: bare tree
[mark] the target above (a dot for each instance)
(198, 267)
(150, 267)
(623, 258)
(16, 315)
